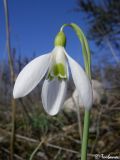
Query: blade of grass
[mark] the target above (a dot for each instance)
(12, 74)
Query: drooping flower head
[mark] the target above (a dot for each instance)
(54, 67)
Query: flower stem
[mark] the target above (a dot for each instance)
(87, 63)
(85, 135)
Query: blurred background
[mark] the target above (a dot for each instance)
(33, 26)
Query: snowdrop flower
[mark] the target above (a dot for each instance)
(54, 66)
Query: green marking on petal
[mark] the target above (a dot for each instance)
(59, 70)
(50, 77)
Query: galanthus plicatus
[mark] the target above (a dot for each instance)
(54, 67)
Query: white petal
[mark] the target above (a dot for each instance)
(82, 82)
(31, 75)
(53, 95)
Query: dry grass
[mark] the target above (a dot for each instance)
(60, 132)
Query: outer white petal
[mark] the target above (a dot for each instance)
(53, 95)
(31, 75)
(82, 82)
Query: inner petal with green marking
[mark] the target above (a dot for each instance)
(58, 70)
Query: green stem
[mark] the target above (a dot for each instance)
(87, 63)
(85, 135)
(84, 44)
